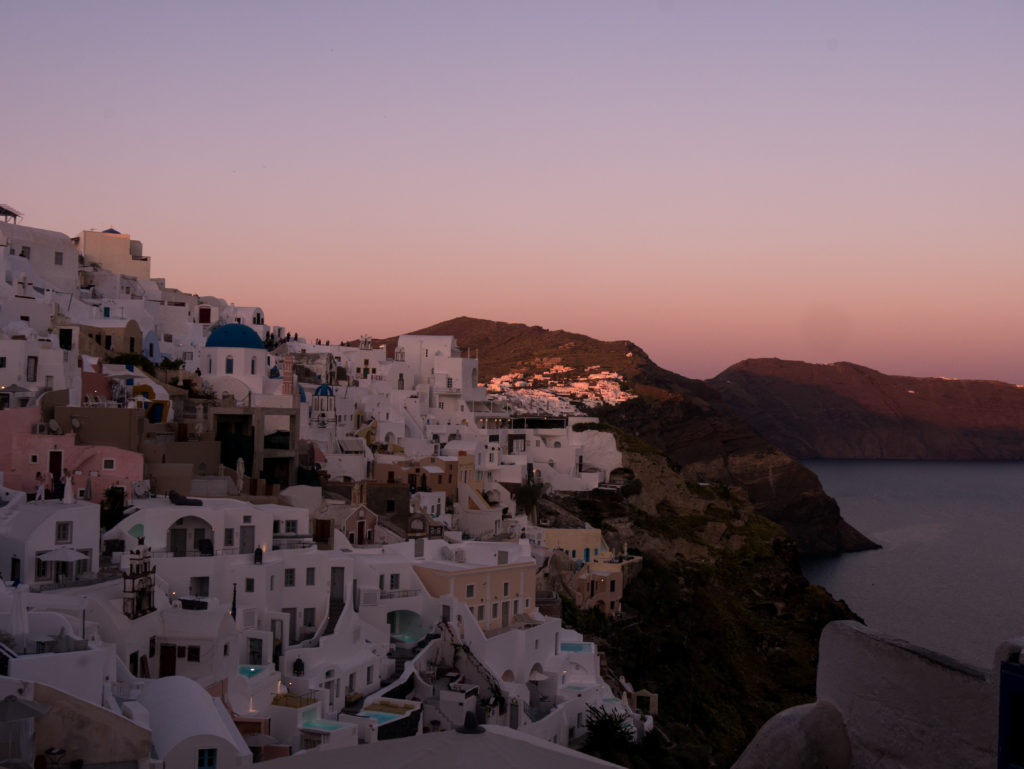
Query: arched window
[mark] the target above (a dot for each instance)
(229, 365)
(252, 367)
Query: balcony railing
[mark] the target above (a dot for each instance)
(386, 595)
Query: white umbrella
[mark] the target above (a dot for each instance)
(19, 614)
(15, 714)
(15, 708)
(63, 555)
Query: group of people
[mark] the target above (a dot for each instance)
(61, 488)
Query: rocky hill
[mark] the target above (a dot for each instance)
(846, 411)
(719, 622)
(684, 418)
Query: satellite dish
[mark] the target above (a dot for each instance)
(76, 423)
(55, 427)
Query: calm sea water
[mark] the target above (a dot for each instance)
(950, 574)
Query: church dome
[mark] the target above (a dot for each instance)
(324, 389)
(235, 335)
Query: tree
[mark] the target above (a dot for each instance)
(527, 496)
(112, 507)
(609, 735)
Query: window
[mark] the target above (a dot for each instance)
(187, 356)
(613, 586)
(3, 361)
(106, 312)
(229, 537)
(480, 613)
(394, 582)
(252, 366)
(33, 459)
(291, 527)
(63, 532)
(26, 252)
(369, 674)
(505, 592)
(42, 572)
(494, 611)
(193, 654)
(469, 591)
(152, 646)
(206, 758)
(390, 506)
(229, 365)
(108, 464)
(309, 617)
(310, 575)
(250, 584)
(200, 587)
(31, 364)
(289, 577)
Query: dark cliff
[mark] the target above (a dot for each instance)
(846, 411)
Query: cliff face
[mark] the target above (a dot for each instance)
(846, 411)
(684, 418)
(719, 622)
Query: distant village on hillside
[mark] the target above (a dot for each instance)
(223, 545)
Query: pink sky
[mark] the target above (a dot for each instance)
(714, 181)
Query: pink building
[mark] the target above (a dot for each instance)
(28, 447)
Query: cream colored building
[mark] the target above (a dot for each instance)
(114, 251)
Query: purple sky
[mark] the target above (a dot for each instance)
(715, 181)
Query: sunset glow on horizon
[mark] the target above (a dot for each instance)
(713, 181)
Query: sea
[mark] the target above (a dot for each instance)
(950, 573)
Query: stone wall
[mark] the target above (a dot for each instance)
(907, 706)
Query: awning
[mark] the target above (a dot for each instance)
(63, 555)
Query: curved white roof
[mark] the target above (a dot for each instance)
(180, 708)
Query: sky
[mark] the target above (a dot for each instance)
(714, 181)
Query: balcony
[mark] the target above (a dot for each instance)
(386, 595)
(289, 700)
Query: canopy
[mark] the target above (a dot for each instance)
(15, 708)
(63, 555)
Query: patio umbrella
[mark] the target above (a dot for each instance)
(19, 614)
(15, 708)
(63, 555)
(15, 711)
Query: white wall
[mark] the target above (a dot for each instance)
(906, 706)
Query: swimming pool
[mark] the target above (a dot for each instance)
(324, 726)
(250, 671)
(585, 646)
(380, 718)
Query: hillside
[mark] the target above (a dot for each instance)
(719, 622)
(846, 411)
(684, 418)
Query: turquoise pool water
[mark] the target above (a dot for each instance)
(575, 687)
(406, 638)
(250, 671)
(326, 726)
(586, 646)
(380, 718)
